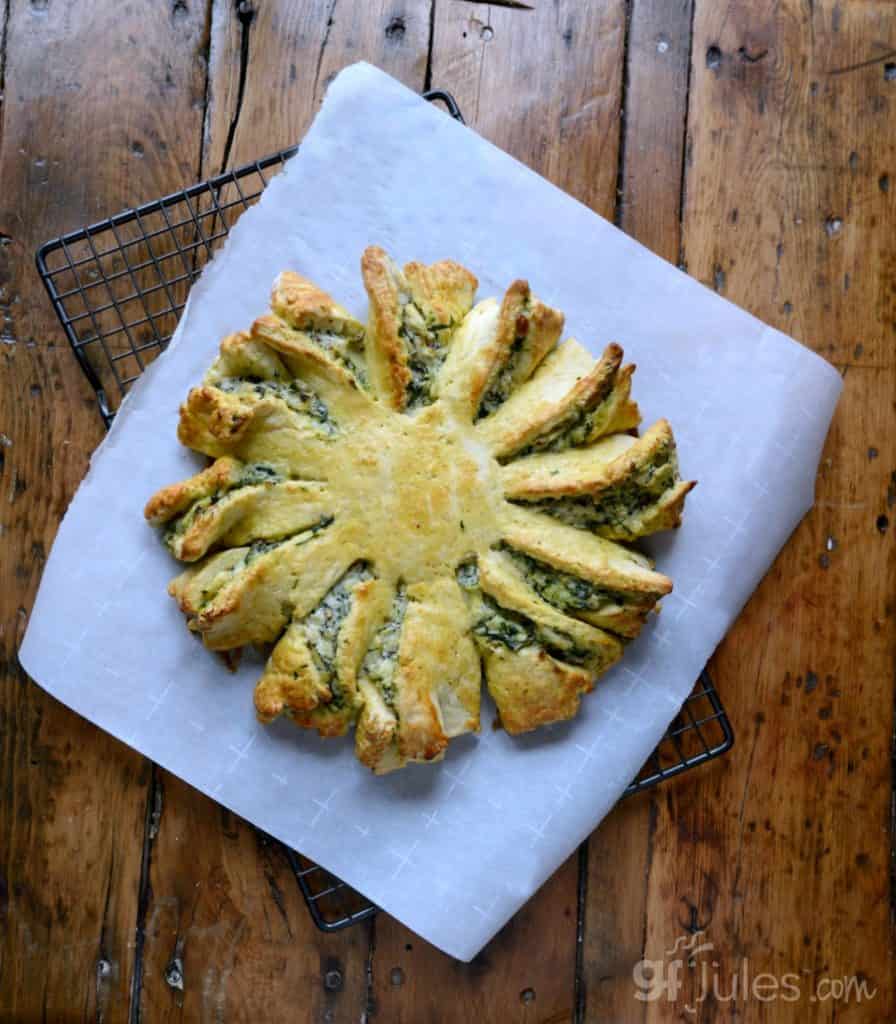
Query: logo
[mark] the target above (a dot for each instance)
(689, 962)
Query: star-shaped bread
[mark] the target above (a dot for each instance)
(400, 509)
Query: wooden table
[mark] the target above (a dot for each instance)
(752, 144)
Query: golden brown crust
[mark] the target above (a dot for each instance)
(636, 479)
(266, 512)
(253, 429)
(309, 359)
(445, 287)
(566, 390)
(497, 348)
(585, 470)
(597, 649)
(419, 301)
(295, 682)
(261, 597)
(240, 355)
(526, 321)
(304, 307)
(530, 688)
(386, 354)
(377, 725)
(437, 659)
(171, 501)
(290, 680)
(581, 554)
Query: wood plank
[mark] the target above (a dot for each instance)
(228, 935)
(782, 857)
(545, 85)
(294, 51)
(224, 917)
(83, 134)
(657, 68)
(526, 973)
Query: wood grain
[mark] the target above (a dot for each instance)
(525, 974)
(656, 93)
(543, 84)
(286, 54)
(227, 933)
(82, 135)
(781, 857)
(648, 207)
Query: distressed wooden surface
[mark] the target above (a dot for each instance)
(782, 854)
(755, 145)
(82, 134)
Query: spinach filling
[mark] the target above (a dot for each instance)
(322, 627)
(426, 352)
(576, 426)
(501, 384)
(467, 574)
(381, 659)
(252, 475)
(255, 550)
(495, 626)
(616, 506)
(295, 394)
(347, 352)
(565, 591)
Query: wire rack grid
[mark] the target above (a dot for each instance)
(118, 287)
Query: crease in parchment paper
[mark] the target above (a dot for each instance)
(453, 849)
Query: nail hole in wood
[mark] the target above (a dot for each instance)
(395, 30)
(333, 981)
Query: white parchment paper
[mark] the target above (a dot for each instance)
(453, 849)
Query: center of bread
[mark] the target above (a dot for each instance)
(423, 491)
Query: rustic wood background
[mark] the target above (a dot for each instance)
(754, 144)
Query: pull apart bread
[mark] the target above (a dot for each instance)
(399, 509)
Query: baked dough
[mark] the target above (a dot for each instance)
(400, 509)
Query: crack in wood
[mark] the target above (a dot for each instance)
(245, 13)
(685, 150)
(265, 843)
(864, 63)
(323, 47)
(579, 992)
(513, 5)
(743, 806)
(368, 1011)
(7, 334)
(205, 50)
(427, 74)
(104, 969)
(619, 201)
(150, 830)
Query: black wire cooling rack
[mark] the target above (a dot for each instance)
(118, 288)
